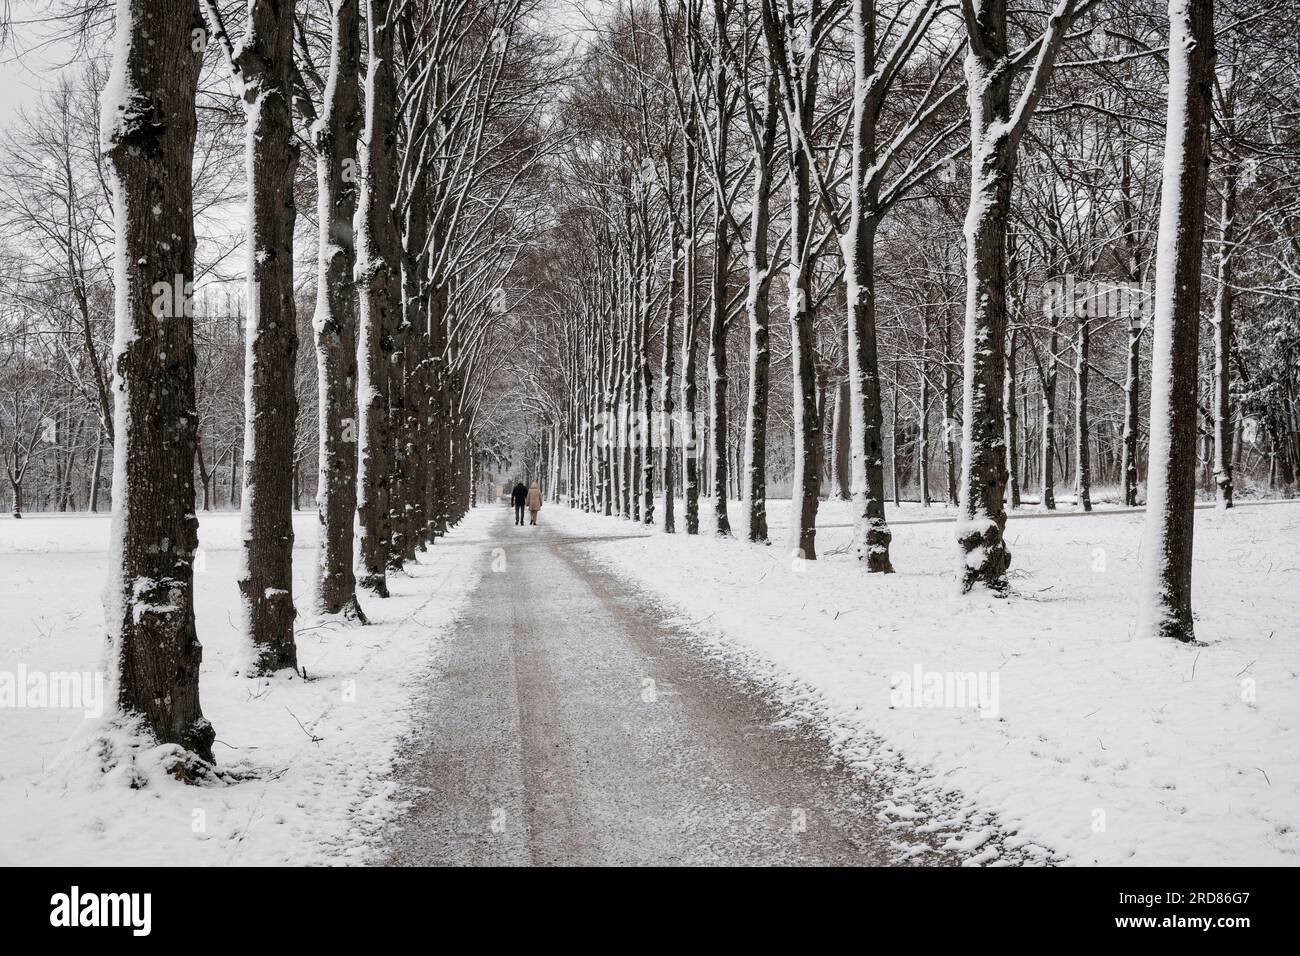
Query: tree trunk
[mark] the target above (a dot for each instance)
(645, 390)
(995, 142)
(379, 304)
(893, 438)
(718, 378)
(1047, 449)
(93, 503)
(1082, 463)
(1128, 463)
(841, 485)
(148, 134)
(805, 489)
(666, 377)
(1222, 322)
(871, 534)
(335, 320)
(204, 477)
(754, 474)
(923, 436)
(691, 438)
(1166, 608)
(265, 62)
(1010, 423)
(949, 418)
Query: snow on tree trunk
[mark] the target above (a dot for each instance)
(1082, 463)
(1009, 423)
(666, 379)
(147, 135)
(440, 408)
(995, 140)
(983, 463)
(265, 62)
(806, 484)
(413, 468)
(379, 306)
(1128, 462)
(1047, 449)
(336, 317)
(718, 317)
(1166, 604)
(757, 310)
(841, 484)
(950, 423)
(1222, 323)
(645, 388)
(871, 535)
(690, 434)
(718, 326)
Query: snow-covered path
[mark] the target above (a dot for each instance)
(566, 724)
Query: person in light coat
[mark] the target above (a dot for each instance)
(534, 502)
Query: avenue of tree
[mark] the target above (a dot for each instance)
(738, 250)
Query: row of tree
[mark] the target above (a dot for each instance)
(426, 123)
(963, 209)
(974, 216)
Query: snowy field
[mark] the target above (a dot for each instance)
(1073, 735)
(314, 756)
(1040, 707)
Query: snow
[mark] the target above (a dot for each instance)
(1105, 749)
(312, 758)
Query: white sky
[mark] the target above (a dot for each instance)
(30, 62)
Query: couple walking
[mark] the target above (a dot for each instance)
(532, 497)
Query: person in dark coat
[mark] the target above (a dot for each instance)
(519, 498)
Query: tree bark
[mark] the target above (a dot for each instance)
(1047, 449)
(92, 504)
(871, 534)
(335, 323)
(379, 302)
(691, 438)
(1222, 323)
(841, 485)
(265, 61)
(718, 324)
(666, 377)
(148, 132)
(1166, 608)
(758, 311)
(995, 141)
(1082, 461)
(1128, 463)
(1010, 423)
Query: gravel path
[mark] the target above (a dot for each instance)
(565, 724)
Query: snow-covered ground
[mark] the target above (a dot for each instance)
(1074, 735)
(315, 755)
(1040, 707)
